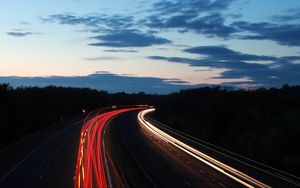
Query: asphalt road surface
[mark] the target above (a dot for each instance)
(123, 148)
(46, 159)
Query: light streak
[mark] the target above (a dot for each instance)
(228, 171)
(90, 167)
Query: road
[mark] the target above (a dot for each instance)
(46, 159)
(163, 164)
(122, 147)
(49, 157)
(167, 162)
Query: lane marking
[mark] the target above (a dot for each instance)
(221, 184)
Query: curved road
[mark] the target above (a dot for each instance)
(167, 162)
(163, 164)
(121, 148)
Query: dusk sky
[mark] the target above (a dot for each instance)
(155, 46)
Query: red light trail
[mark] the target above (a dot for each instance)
(90, 167)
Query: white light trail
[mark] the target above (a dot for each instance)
(228, 171)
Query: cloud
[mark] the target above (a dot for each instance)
(291, 15)
(284, 34)
(204, 17)
(104, 81)
(97, 21)
(237, 65)
(190, 7)
(223, 53)
(211, 25)
(128, 38)
(201, 16)
(210, 63)
(24, 23)
(115, 30)
(176, 81)
(207, 17)
(221, 57)
(120, 50)
(19, 34)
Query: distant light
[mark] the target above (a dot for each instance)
(83, 110)
(113, 106)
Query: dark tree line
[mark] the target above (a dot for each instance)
(263, 124)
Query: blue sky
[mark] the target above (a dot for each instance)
(154, 46)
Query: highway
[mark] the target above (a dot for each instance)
(166, 161)
(162, 163)
(70, 154)
(46, 159)
(123, 147)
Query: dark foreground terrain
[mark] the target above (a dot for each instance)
(262, 124)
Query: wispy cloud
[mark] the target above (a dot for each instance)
(98, 22)
(120, 50)
(284, 34)
(128, 38)
(223, 53)
(291, 15)
(19, 34)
